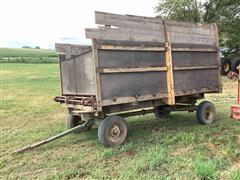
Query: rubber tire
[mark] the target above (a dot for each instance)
(106, 124)
(234, 64)
(200, 112)
(223, 62)
(159, 113)
(73, 121)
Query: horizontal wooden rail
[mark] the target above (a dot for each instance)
(194, 68)
(126, 70)
(151, 69)
(161, 49)
(131, 48)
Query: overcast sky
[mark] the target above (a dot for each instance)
(44, 22)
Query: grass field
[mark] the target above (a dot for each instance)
(173, 148)
(27, 55)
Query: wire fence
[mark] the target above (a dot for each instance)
(22, 59)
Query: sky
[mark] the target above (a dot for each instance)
(45, 22)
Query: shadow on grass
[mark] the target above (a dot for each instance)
(140, 129)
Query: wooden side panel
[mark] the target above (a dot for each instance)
(125, 34)
(137, 28)
(147, 36)
(71, 49)
(153, 24)
(68, 77)
(129, 21)
(84, 72)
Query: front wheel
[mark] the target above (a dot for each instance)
(206, 112)
(112, 131)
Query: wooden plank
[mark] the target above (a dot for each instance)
(124, 100)
(131, 48)
(218, 59)
(194, 68)
(126, 34)
(181, 27)
(139, 48)
(168, 59)
(194, 50)
(160, 96)
(71, 49)
(131, 70)
(97, 77)
(196, 91)
(149, 23)
(129, 21)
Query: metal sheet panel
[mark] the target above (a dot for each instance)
(68, 77)
(111, 58)
(84, 72)
(195, 79)
(132, 84)
(181, 59)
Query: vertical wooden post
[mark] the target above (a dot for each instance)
(168, 58)
(97, 77)
(218, 57)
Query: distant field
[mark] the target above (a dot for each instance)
(22, 55)
(176, 147)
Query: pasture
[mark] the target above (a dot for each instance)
(27, 55)
(177, 147)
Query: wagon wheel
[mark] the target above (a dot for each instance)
(159, 112)
(206, 112)
(225, 66)
(234, 64)
(73, 121)
(112, 131)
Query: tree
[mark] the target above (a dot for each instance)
(27, 47)
(226, 13)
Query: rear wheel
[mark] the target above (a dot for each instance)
(112, 131)
(206, 112)
(234, 64)
(225, 66)
(161, 113)
(73, 121)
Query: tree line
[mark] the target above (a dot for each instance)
(225, 13)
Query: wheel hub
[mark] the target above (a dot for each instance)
(208, 114)
(115, 133)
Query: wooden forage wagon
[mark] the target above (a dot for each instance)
(138, 65)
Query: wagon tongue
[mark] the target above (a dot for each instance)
(40, 143)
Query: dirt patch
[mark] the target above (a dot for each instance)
(129, 153)
(232, 168)
(182, 151)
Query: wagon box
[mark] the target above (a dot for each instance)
(138, 65)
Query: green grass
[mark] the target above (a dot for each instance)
(16, 55)
(172, 148)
